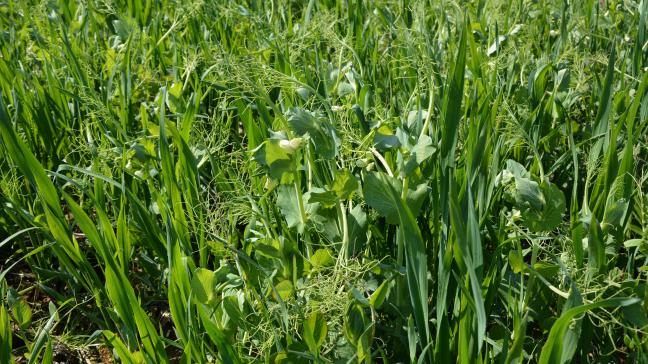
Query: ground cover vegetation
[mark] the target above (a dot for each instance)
(323, 181)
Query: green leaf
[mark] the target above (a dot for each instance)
(423, 150)
(22, 313)
(5, 336)
(515, 261)
(287, 201)
(541, 205)
(232, 308)
(546, 269)
(363, 345)
(268, 250)
(496, 44)
(43, 335)
(120, 348)
(416, 197)
(516, 169)
(289, 357)
(357, 224)
(596, 263)
(217, 335)
(284, 289)
(411, 338)
(538, 81)
(378, 297)
(276, 159)
(122, 28)
(549, 216)
(384, 139)
(553, 347)
(359, 113)
(605, 100)
(469, 246)
(528, 195)
(327, 199)
(359, 297)
(203, 285)
(355, 322)
(573, 332)
(636, 315)
(322, 219)
(415, 119)
(615, 212)
(322, 133)
(345, 184)
(303, 92)
(344, 89)
(453, 96)
(381, 194)
(322, 258)
(174, 98)
(377, 194)
(315, 330)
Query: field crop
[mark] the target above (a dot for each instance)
(324, 181)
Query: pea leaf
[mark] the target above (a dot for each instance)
(541, 205)
(615, 211)
(385, 139)
(416, 197)
(322, 133)
(553, 208)
(355, 322)
(378, 297)
(515, 261)
(274, 158)
(357, 223)
(22, 313)
(315, 330)
(345, 184)
(289, 207)
(359, 297)
(322, 258)
(174, 98)
(202, 285)
(268, 250)
(284, 289)
(423, 150)
(231, 307)
(327, 199)
(377, 195)
(528, 195)
(344, 89)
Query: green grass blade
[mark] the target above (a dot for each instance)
(552, 349)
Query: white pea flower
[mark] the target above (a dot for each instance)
(290, 145)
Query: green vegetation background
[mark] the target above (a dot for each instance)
(323, 181)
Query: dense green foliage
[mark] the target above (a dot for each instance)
(323, 181)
